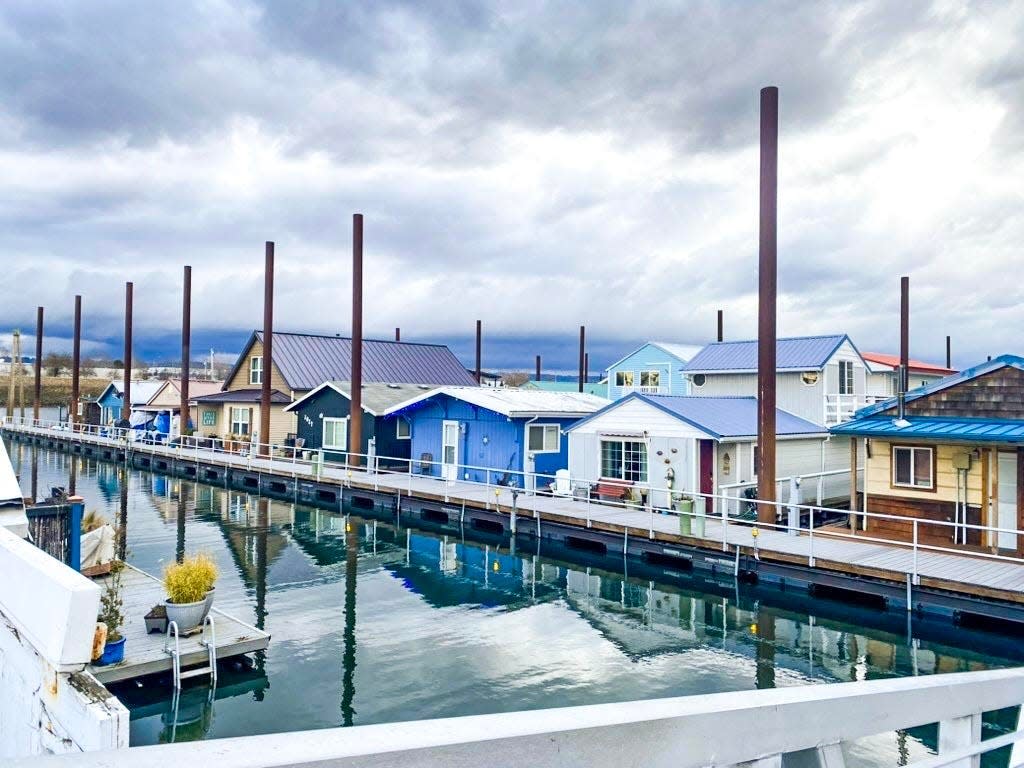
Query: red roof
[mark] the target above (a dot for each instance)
(916, 366)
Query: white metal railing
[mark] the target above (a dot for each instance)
(817, 721)
(644, 389)
(839, 408)
(710, 517)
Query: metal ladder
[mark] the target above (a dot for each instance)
(210, 643)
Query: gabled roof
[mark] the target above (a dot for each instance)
(880, 361)
(514, 403)
(142, 390)
(1003, 361)
(937, 428)
(196, 387)
(307, 360)
(681, 352)
(600, 389)
(241, 396)
(719, 417)
(799, 353)
(376, 397)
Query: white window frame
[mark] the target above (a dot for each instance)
(256, 369)
(622, 468)
(914, 450)
(545, 426)
(232, 410)
(624, 374)
(334, 420)
(398, 429)
(843, 380)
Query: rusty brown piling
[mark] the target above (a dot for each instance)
(583, 346)
(126, 388)
(186, 349)
(356, 399)
(904, 333)
(76, 362)
(37, 393)
(537, 375)
(721, 326)
(268, 349)
(398, 334)
(479, 347)
(767, 288)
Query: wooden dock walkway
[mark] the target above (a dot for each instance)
(144, 654)
(823, 549)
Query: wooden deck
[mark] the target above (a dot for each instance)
(964, 573)
(144, 654)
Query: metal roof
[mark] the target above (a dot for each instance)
(720, 417)
(681, 352)
(377, 398)
(514, 403)
(1003, 361)
(799, 353)
(599, 389)
(241, 396)
(936, 428)
(142, 390)
(879, 361)
(196, 387)
(307, 360)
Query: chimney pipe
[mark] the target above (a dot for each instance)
(586, 367)
(583, 362)
(721, 335)
(398, 334)
(186, 350)
(537, 377)
(479, 334)
(767, 279)
(37, 399)
(904, 333)
(126, 389)
(268, 349)
(356, 398)
(76, 361)
(949, 353)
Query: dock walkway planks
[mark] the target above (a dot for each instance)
(144, 654)
(965, 573)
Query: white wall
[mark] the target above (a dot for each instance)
(48, 705)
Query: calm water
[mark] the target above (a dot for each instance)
(373, 623)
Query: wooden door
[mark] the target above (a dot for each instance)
(707, 467)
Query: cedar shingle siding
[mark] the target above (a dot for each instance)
(999, 395)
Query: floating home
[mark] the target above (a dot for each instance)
(304, 361)
(166, 401)
(655, 368)
(691, 444)
(324, 420)
(955, 455)
(456, 431)
(883, 373)
(597, 388)
(111, 399)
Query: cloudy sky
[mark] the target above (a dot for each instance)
(539, 165)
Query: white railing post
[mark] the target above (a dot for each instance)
(914, 573)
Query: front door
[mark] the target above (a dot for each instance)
(707, 468)
(450, 450)
(1007, 515)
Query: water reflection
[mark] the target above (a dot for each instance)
(449, 626)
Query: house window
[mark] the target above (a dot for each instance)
(335, 434)
(543, 438)
(650, 379)
(255, 370)
(810, 378)
(239, 421)
(845, 377)
(623, 378)
(912, 467)
(698, 379)
(403, 429)
(624, 460)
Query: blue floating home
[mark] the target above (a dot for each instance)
(324, 417)
(460, 432)
(656, 368)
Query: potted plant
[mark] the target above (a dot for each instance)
(189, 586)
(156, 619)
(684, 506)
(112, 615)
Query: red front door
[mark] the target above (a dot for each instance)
(707, 466)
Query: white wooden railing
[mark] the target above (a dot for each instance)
(840, 408)
(808, 725)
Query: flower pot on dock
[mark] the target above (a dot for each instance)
(685, 509)
(156, 620)
(187, 616)
(113, 653)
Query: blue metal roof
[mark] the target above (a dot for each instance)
(307, 360)
(936, 428)
(720, 417)
(1012, 361)
(800, 353)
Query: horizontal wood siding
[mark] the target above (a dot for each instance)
(650, 358)
(879, 468)
(902, 530)
(241, 379)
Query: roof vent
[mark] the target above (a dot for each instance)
(393, 386)
(424, 386)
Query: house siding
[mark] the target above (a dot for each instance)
(241, 378)
(331, 404)
(282, 424)
(650, 358)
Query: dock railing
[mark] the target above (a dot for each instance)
(812, 725)
(718, 519)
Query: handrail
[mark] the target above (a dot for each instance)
(682, 732)
(607, 510)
